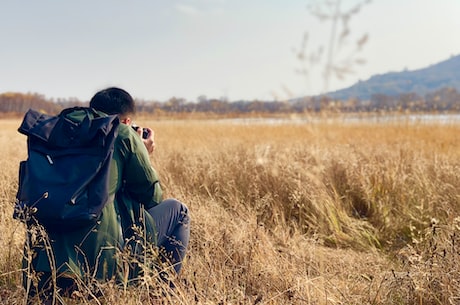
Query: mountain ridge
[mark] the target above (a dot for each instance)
(445, 74)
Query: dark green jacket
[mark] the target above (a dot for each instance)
(93, 250)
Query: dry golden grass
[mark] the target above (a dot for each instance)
(318, 213)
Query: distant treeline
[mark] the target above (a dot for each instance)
(444, 100)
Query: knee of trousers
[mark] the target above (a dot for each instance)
(179, 209)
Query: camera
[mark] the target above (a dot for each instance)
(145, 132)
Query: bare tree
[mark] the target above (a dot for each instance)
(335, 58)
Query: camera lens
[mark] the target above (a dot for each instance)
(145, 133)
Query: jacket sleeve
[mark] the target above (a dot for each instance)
(139, 177)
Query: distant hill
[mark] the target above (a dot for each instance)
(445, 74)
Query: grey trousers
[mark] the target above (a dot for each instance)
(172, 224)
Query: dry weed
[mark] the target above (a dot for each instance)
(320, 213)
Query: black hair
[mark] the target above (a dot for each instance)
(113, 100)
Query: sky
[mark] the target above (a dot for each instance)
(232, 49)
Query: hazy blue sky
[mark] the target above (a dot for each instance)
(239, 49)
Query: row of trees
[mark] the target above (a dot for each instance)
(442, 100)
(12, 102)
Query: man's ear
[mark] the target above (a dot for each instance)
(126, 120)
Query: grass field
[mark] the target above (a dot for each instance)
(319, 213)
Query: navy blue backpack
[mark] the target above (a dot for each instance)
(63, 184)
